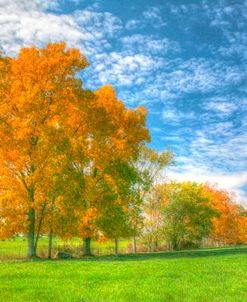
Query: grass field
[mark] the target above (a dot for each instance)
(201, 275)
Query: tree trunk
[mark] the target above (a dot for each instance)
(174, 244)
(134, 244)
(39, 226)
(152, 244)
(87, 247)
(155, 243)
(30, 235)
(116, 246)
(50, 243)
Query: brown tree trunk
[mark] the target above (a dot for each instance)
(87, 247)
(50, 243)
(152, 245)
(39, 226)
(31, 235)
(134, 244)
(175, 245)
(116, 246)
(155, 246)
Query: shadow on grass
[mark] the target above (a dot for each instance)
(206, 252)
(171, 255)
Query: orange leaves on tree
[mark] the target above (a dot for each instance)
(55, 134)
(230, 226)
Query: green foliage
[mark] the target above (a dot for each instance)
(187, 215)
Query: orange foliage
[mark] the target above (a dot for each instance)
(38, 93)
(230, 227)
(49, 123)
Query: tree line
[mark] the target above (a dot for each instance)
(75, 163)
(188, 214)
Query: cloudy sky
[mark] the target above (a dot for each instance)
(184, 60)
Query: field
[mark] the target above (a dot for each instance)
(208, 275)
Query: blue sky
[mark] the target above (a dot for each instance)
(183, 60)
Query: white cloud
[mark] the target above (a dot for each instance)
(24, 23)
(234, 182)
(148, 44)
(154, 16)
(150, 17)
(180, 77)
(201, 75)
(223, 107)
(157, 130)
(26, 5)
(227, 17)
(121, 69)
(133, 24)
(142, 60)
(216, 153)
(171, 115)
(156, 78)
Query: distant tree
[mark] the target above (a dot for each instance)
(153, 217)
(187, 213)
(230, 226)
(151, 165)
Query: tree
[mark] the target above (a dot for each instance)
(49, 127)
(40, 98)
(117, 140)
(115, 219)
(150, 165)
(153, 217)
(230, 226)
(188, 214)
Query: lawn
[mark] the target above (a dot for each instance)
(203, 275)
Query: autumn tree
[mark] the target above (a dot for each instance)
(116, 142)
(230, 226)
(41, 101)
(91, 167)
(187, 213)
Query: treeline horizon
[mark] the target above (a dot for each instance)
(75, 163)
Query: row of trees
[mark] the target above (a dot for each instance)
(188, 214)
(74, 163)
(71, 160)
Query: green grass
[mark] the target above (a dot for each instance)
(208, 275)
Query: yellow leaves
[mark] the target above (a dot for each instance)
(102, 238)
(86, 227)
(120, 130)
(106, 93)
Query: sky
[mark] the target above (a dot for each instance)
(185, 61)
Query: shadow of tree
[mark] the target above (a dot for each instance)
(171, 255)
(209, 252)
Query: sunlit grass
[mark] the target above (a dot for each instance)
(214, 275)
